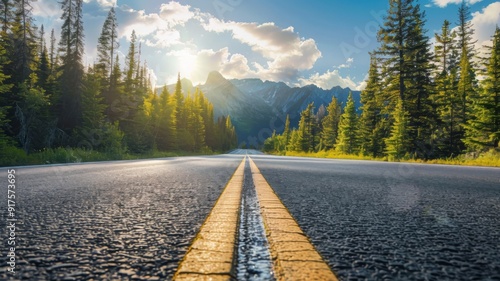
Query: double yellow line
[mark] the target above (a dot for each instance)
(212, 255)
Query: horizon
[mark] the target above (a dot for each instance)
(248, 39)
(263, 81)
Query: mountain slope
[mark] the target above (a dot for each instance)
(257, 108)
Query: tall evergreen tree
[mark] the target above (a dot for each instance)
(198, 124)
(4, 89)
(331, 125)
(23, 44)
(483, 129)
(131, 65)
(398, 143)
(306, 123)
(178, 112)
(446, 99)
(116, 110)
(405, 53)
(286, 133)
(106, 47)
(393, 51)
(72, 71)
(6, 8)
(418, 102)
(43, 70)
(52, 51)
(165, 130)
(92, 110)
(467, 83)
(371, 127)
(465, 31)
(347, 139)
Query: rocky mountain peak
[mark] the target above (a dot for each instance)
(215, 78)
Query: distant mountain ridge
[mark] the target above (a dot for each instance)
(257, 107)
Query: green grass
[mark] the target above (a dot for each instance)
(12, 156)
(488, 159)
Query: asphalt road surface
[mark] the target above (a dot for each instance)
(134, 220)
(129, 220)
(393, 221)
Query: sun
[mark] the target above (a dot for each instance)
(186, 64)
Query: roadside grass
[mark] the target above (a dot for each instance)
(13, 156)
(490, 158)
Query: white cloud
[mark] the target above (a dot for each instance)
(236, 66)
(347, 63)
(164, 38)
(207, 60)
(444, 3)
(46, 8)
(157, 29)
(107, 3)
(330, 79)
(484, 23)
(103, 3)
(143, 24)
(286, 53)
(175, 14)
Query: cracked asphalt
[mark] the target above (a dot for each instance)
(126, 220)
(394, 221)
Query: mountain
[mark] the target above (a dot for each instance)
(257, 107)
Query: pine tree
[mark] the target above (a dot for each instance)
(32, 113)
(331, 125)
(165, 137)
(93, 109)
(106, 47)
(117, 109)
(186, 138)
(419, 86)
(43, 70)
(178, 112)
(371, 119)
(23, 44)
(399, 142)
(286, 133)
(4, 88)
(198, 124)
(406, 66)
(52, 51)
(208, 119)
(465, 31)
(446, 99)
(347, 139)
(231, 137)
(131, 65)
(306, 137)
(393, 36)
(72, 72)
(294, 144)
(467, 76)
(483, 129)
(6, 8)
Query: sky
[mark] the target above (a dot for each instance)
(325, 43)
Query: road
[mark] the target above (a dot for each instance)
(111, 220)
(393, 221)
(134, 220)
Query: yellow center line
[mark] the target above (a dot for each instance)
(294, 257)
(211, 256)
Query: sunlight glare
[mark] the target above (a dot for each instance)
(186, 64)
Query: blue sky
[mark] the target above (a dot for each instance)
(325, 43)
